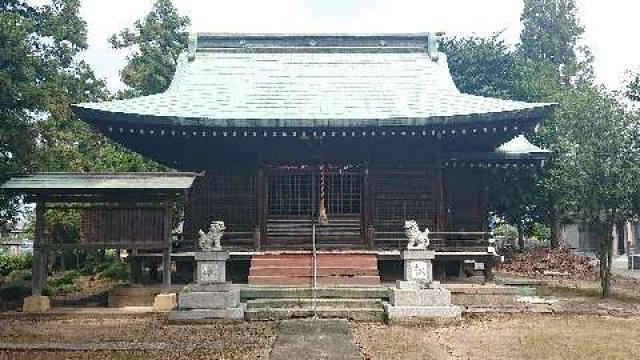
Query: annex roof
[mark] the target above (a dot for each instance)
(260, 80)
(97, 182)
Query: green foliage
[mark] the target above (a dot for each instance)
(67, 278)
(63, 289)
(116, 271)
(633, 87)
(596, 171)
(506, 230)
(15, 291)
(156, 41)
(487, 67)
(97, 261)
(20, 276)
(540, 231)
(10, 263)
(551, 32)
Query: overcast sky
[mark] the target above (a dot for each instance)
(610, 32)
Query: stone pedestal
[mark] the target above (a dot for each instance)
(36, 304)
(211, 297)
(418, 265)
(164, 302)
(418, 298)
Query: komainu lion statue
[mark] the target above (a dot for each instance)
(418, 240)
(210, 241)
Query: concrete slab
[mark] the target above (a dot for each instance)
(314, 339)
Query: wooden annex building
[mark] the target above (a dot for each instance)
(369, 130)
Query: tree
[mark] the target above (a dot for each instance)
(517, 196)
(488, 67)
(156, 41)
(597, 167)
(551, 33)
(38, 48)
(633, 87)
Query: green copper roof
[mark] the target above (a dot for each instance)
(315, 80)
(98, 182)
(521, 145)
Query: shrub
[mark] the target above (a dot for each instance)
(116, 271)
(9, 263)
(67, 288)
(14, 291)
(20, 276)
(541, 232)
(67, 278)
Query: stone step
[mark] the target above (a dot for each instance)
(308, 303)
(357, 314)
(475, 289)
(259, 292)
(308, 271)
(483, 300)
(321, 280)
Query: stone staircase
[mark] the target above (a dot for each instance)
(279, 303)
(489, 298)
(297, 270)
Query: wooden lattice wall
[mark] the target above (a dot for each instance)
(229, 196)
(128, 227)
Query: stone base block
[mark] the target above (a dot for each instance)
(236, 313)
(36, 304)
(422, 297)
(209, 300)
(211, 287)
(411, 314)
(164, 302)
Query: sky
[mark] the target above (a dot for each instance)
(609, 25)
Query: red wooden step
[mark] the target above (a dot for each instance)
(307, 280)
(308, 271)
(332, 269)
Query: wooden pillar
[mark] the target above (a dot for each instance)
(39, 276)
(166, 254)
(441, 206)
(367, 210)
(261, 200)
(166, 271)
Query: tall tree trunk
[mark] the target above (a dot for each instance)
(556, 229)
(605, 254)
(520, 229)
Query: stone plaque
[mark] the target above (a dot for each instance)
(211, 271)
(419, 271)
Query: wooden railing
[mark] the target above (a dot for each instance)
(450, 241)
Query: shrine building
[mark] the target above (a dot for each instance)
(327, 140)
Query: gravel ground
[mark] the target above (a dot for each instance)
(505, 337)
(131, 336)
